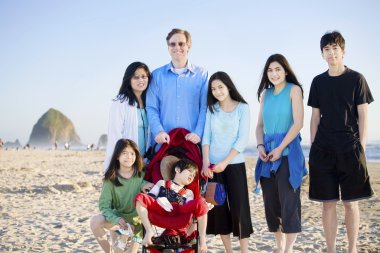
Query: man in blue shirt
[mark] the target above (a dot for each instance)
(177, 94)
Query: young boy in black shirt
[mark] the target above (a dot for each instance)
(339, 99)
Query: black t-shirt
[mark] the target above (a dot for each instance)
(337, 98)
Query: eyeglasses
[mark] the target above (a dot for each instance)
(180, 44)
(140, 77)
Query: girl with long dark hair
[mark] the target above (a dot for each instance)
(123, 180)
(281, 164)
(225, 137)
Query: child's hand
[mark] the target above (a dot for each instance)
(275, 154)
(122, 224)
(263, 154)
(207, 170)
(165, 204)
(220, 167)
(147, 187)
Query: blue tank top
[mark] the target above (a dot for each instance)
(277, 112)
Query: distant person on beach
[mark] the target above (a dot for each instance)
(122, 181)
(226, 135)
(128, 118)
(339, 99)
(281, 164)
(177, 93)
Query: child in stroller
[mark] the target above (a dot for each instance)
(181, 223)
(171, 198)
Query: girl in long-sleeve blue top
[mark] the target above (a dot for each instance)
(225, 137)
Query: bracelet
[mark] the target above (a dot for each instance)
(258, 145)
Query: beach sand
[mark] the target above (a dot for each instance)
(47, 198)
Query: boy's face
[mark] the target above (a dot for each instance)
(185, 177)
(333, 54)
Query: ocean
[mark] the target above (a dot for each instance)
(372, 151)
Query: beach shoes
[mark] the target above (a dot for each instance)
(123, 240)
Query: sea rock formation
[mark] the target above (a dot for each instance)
(53, 127)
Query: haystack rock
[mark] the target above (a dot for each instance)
(53, 127)
(102, 143)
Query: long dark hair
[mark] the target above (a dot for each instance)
(126, 91)
(290, 77)
(226, 80)
(112, 170)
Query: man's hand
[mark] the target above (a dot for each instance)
(162, 137)
(194, 138)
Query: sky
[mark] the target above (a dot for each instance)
(71, 55)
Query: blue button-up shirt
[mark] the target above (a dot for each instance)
(175, 100)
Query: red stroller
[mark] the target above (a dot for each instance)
(175, 225)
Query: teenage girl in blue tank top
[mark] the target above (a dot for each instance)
(281, 164)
